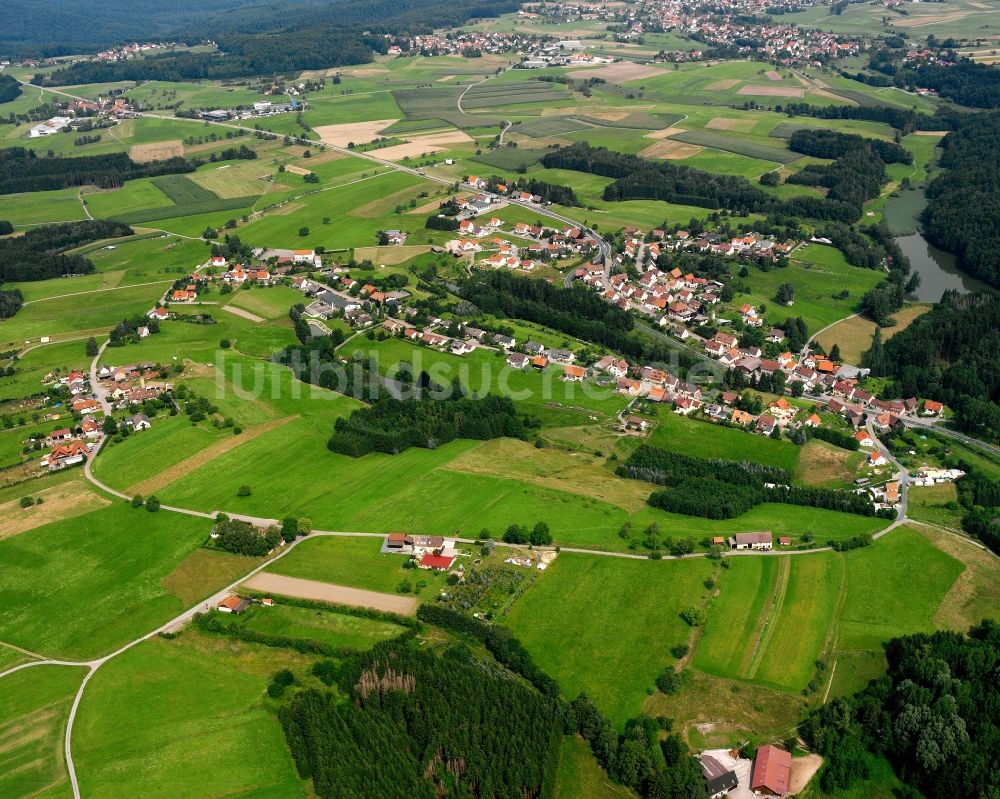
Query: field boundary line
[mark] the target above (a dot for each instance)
(771, 617)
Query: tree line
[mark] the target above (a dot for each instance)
(721, 489)
(10, 88)
(41, 252)
(934, 715)
(822, 143)
(636, 758)
(22, 170)
(575, 311)
(640, 178)
(963, 215)
(10, 303)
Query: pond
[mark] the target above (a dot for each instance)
(936, 268)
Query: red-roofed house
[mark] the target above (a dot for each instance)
(772, 771)
(436, 562)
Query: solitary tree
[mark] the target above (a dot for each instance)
(92, 347)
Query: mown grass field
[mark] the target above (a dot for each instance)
(186, 719)
(818, 274)
(41, 207)
(676, 433)
(98, 574)
(612, 647)
(34, 707)
(335, 629)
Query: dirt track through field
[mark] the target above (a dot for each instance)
(328, 592)
(245, 314)
(199, 459)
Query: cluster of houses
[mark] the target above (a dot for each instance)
(71, 445)
(725, 773)
(131, 384)
(75, 112)
(351, 300)
(433, 552)
(735, 24)
(460, 43)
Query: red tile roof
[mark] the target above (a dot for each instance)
(436, 562)
(771, 770)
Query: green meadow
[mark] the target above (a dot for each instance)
(356, 562)
(99, 574)
(677, 433)
(605, 626)
(185, 719)
(34, 707)
(328, 627)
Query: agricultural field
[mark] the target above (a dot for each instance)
(335, 629)
(34, 706)
(613, 649)
(107, 565)
(706, 440)
(756, 640)
(148, 709)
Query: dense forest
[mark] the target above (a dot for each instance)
(264, 40)
(903, 119)
(979, 494)
(40, 253)
(822, 143)
(23, 170)
(10, 89)
(934, 716)
(963, 215)
(948, 354)
(415, 724)
(854, 178)
(637, 177)
(664, 468)
(391, 425)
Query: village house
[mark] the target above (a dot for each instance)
(573, 374)
(759, 541)
(518, 360)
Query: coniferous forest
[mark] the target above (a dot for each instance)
(419, 725)
(23, 170)
(963, 215)
(391, 425)
(39, 253)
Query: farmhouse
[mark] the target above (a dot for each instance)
(772, 771)
(233, 604)
(436, 562)
(759, 541)
(719, 780)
